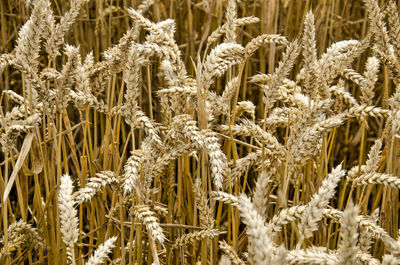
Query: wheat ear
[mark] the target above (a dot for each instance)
(102, 252)
(68, 216)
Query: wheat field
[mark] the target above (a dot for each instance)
(199, 132)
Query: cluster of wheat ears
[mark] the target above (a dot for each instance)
(142, 154)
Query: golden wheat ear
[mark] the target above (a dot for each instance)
(102, 252)
(69, 222)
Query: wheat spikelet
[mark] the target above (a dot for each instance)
(260, 78)
(168, 157)
(365, 238)
(195, 236)
(67, 78)
(229, 91)
(224, 260)
(13, 244)
(349, 233)
(320, 255)
(306, 143)
(309, 51)
(244, 107)
(354, 76)
(21, 227)
(371, 76)
(369, 226)
(206, 139)
(141, 20)
(132, 171)
(101, 253)
(144, 6)
(149, 219)
(5, 60)
(361, 111)
(283, 69)
(14, 96)
(20, 234)
(225, 197)
(29, 38)
(162, 34)
(218, 61)
(261, 248)
(149, 127)
(206, 215)
(116, 56)
(218, 161)
(242, 165)
(263, 39)
(312, 256)
(392, 126)
(218, 32)
(319, 201)
(383, 45)
(68, 216)
(184, 126)
(137, 59)
(342, 94)
(160, 210)
(82, 99)
(374, 155)
(231, 14)
(249, 128)
(377, 178)
(230, 253)
(13, 126)
(394, 25)
(86, 193)
(260, 195)
(286, 215)
(378, 26)
(366, 258)
(337, 57)
(57, 32)
(389, 259)
(143, 187)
